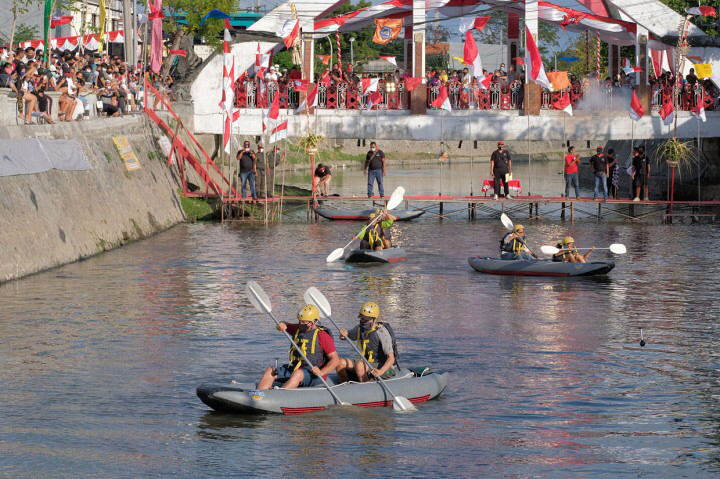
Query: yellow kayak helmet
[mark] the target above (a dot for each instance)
(309, 312)
(567, 240)
(370, 310)
(518, 228)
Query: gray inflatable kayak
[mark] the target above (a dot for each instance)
(392, 255)
(363, 215)
(418, 385)
(541, 267)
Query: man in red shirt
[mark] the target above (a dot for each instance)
(571, 172)
(316, 343)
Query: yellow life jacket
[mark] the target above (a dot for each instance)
(307, 343)
(374, 237)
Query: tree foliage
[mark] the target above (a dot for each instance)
(193, 12)
(24, 33)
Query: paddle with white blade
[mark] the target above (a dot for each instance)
(508, 224)
(393, 203)
(616, 248)
(314, 296)
(261, 302)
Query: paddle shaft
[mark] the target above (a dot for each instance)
(299, 351)
(362, 232)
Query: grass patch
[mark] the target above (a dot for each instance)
(196, 209)
(108, 157)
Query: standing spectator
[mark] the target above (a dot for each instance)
(691, 78)
(374, 168)
(599, 168)
(500, 167)
(336, 74)
(321, 179)
(641, 174)
(261, 180)
(501, 76)
(248, 169)
(295, 74)
(613, 173)
(572, 160)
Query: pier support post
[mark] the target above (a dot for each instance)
(572, 212)
(562, 211)
(599, 211)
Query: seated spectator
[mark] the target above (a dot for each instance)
(43, 106)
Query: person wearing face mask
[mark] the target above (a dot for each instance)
(377, 343)
(316, 343)
(248, 169)
(374, 169)
(500, 168)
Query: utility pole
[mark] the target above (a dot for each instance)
(127, 29)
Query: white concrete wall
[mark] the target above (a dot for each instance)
(469, 125)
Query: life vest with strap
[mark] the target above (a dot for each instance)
(370, 346)
(375, 235)
(567, 252)
(514, 245)
(308, 344)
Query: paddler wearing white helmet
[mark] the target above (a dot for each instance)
(377, 343)
(378, 236)
(512, 245)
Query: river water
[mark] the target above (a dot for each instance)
(101, 358)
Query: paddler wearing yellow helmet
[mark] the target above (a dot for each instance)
(376, 340)
(512, 245)
(316, 343)
(569, 253)
(378, 236)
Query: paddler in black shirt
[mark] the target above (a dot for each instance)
(248, 169)
(500, 166)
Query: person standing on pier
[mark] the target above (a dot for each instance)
(572, 160)
(640, 174)
(248, 169)
(599, 168)
(500, 168)
(374, 169)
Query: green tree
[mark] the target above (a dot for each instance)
(24, 33)
(19, 7)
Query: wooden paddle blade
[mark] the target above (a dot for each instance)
(618, 248)
(335, 255)
(257, 297)
(396, 198)
(547, 249)
(403, 404)
(506, 221)
(314, 296)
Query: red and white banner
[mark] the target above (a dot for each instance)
(704, 11)
(564, 104)
(442, 101)
(116, 37)
(90, 42)
(667, 112)
(628, 68)
(536, 70)
(279, 132)
(374, 98)
(636, 109)
(369, 85)
(473, 23)
(289, 32)
(311, 99)
(71, 43)
(228, 97)
(471, 55)
(390, 60)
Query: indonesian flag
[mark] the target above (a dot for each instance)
(228, 100)
(375, 98)
(699, 112)
(628, 68)
(60, 20)
(485, 82)
(369, 85)
(536, 70)
(704, 11)
(311, 99)
(666, 62)
(564, 104)
(471, 54)
(572, 19)
(289, 32)
(274, 112)
(667, 112)
(467, 24)
(279, 132)
(442, 101)
(412, 83)
(262, 61)
(390, 60)
(636, 109)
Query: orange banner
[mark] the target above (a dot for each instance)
(559, 80)
(387, 29)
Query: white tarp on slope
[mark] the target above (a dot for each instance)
(25, 157)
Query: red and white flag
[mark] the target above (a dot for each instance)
(289, 32)
(60, 20)
(374, 98)
(390, 60)
(311, 99)
(467, 24)
(300, 86)
(485, 82)
(228, 98)
(636, 109)
(704, 11)
(573, 19)
(412, 83)
(369, 85)
(699, 111)
(279, 132)
(628, 68)
(262, 62)
(536, 70)
(667, 113)
(564, 104)
(274, 112)
(442, 101)
(472, 55)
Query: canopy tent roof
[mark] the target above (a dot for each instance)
(616, 31)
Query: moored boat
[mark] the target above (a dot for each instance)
(391, 255)
(417, 385)
(540, 267)
(363, 215)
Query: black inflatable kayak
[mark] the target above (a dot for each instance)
(392, 255)
(540, 267)
(363, 215)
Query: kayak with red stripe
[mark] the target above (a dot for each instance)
(364, 215)
(541, 267)
(390, 255)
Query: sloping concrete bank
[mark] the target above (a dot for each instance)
(57, 217)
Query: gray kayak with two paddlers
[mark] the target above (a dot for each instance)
(417, 385)
(540, 267)
(390, 255)
(362, 215)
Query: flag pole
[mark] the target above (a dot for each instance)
(698, 157)
(442, 145)
(471, 161)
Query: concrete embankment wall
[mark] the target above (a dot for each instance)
(56, 217)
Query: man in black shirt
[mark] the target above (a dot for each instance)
(248, 169)
(322, 178)
(641, 173)
(500, 166)
(599, 168)
(374, 169)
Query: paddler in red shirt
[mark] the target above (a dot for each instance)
(316, 343)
